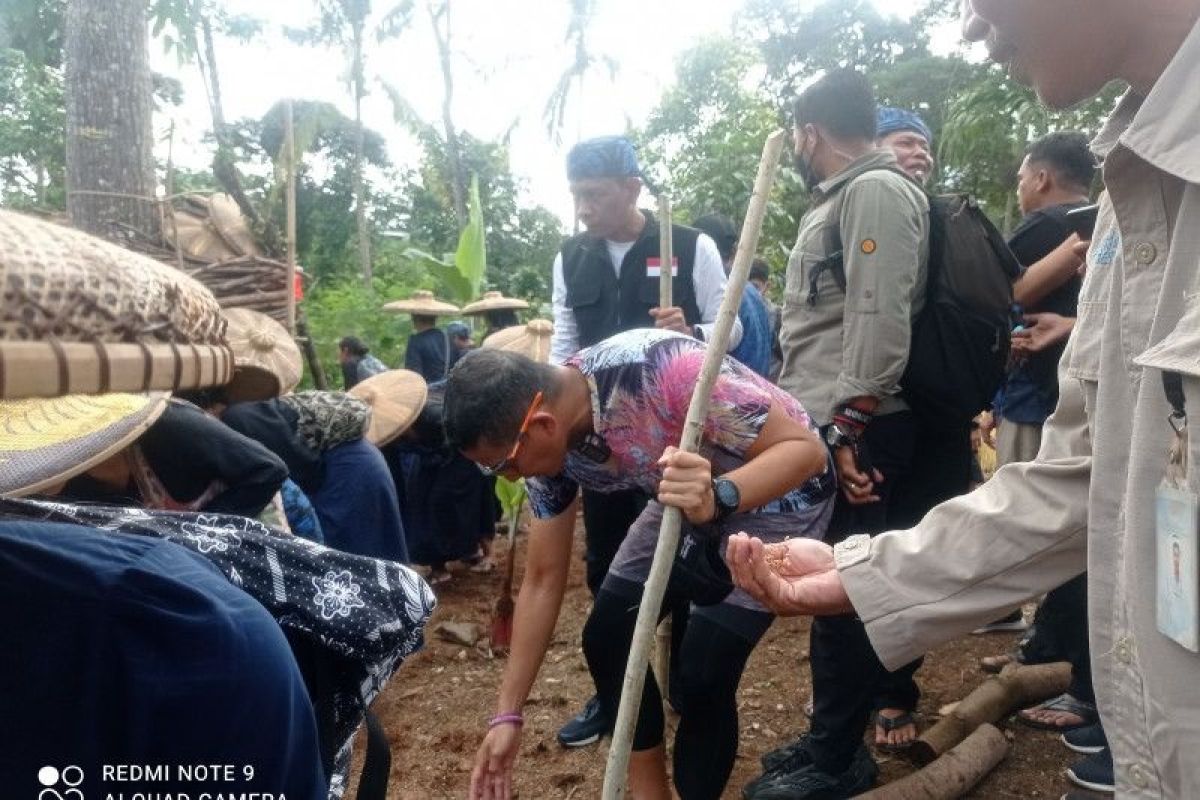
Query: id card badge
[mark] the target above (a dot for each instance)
(1177, 519)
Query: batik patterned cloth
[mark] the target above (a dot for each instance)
(641, 384)
(359, 616)
(327, 419)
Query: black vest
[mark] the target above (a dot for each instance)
(605, 305)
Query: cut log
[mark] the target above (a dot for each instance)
(1015, 687)
(952, 775)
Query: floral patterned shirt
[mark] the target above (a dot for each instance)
(641, 383)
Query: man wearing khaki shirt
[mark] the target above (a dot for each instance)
(1089, 499)
(855, 281)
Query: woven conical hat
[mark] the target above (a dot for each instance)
(422, 303)
(493, 301)
(531, 339)
(267, 360)
(79, 315)
(396, 398)
(48, 441)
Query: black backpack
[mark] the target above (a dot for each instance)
(959, 349)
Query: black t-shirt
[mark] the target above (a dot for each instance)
(426, 354)
(1036, 237)
(188, 450)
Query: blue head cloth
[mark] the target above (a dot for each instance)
(458, 330)
(603, 157)
(891, 120)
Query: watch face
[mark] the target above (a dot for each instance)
(727, 494)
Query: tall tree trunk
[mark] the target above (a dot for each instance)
(360, 205)
(440, 17)
(110, 141)
(224, 165)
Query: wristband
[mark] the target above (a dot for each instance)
(508, 718)
(851, 419)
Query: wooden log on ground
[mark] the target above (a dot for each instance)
(953, 774)
(1015, 687)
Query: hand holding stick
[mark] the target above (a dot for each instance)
(668, 537)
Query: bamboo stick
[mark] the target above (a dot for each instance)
(668, 536)
(291, 218)
(665, 252)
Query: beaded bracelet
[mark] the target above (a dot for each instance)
(508, 718)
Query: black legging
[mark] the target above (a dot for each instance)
(718, 641)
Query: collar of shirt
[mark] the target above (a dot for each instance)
(874, 159)
(1161, 127)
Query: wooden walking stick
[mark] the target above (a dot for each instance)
(662, 639)
(665, 252)
(668, 534)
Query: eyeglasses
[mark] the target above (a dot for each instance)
(504, 464)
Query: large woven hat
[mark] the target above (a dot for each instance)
(210, 228)
(86, 329)
(531, 340)
(396, 398)
(83, 316)
(48, 441)
(266, 359)
(493, 301)
(422, 303)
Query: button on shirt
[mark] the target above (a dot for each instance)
(1088, 500)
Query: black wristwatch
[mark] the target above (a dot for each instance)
(727, 498)
(836, 436)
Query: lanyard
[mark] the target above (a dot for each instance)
(1173, 386)
(1177, 462)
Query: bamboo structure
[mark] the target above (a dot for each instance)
(668, 537)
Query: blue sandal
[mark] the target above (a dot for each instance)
(1066, 704)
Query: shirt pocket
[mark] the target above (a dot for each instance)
(583, 294)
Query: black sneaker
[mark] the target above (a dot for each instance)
(1087, 740)
(1095, 772)
(584, 728)
(810, 783)
(787, 758)
(780, 761)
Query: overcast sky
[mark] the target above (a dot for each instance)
(508, 57)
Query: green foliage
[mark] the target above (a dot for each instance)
(35, 28)
(836, 33)
(32, 133)
(470, 259)
(703, 142)
(511, 495)
(987, 128)
(345, 307)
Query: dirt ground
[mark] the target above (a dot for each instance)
(435, 707)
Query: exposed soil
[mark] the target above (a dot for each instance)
(435, 707)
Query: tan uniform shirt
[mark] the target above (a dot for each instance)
(855, 343)
(1089, 498)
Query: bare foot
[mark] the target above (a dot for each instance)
(1058, 719)
(898, 734)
